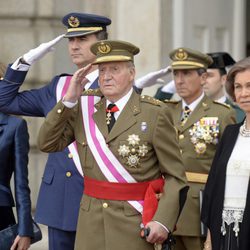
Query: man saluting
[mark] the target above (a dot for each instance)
(128, 151)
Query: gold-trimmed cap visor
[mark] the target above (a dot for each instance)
(112, 59)
(82, 31)
(187, 65)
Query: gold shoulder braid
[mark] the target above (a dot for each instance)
(171, 101)
(223, 104)
(151, 100)
(95, 92)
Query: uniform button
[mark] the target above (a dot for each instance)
(70, 155)
(181, 137)
(83, 143)
(181, 151)
(59, 111)
(68, 174)
(1, 78)
(105, 205)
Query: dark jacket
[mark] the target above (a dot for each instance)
(214, 192)
(62, 185)
(14, 148)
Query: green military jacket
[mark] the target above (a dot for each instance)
(109, 224)
(198, 154)
(240, 114)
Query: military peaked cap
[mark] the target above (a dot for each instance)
(185, 58)
(114, 51)
(81, 24)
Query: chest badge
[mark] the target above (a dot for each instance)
(144, 126)
(204, 132)
(133, 151)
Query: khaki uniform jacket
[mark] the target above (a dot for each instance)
(112, 225)
(189, 221)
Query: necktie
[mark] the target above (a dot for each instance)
(185, 115)
(110, 119)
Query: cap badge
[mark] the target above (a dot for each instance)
(181, 55)
(104, 48)
(73, 22)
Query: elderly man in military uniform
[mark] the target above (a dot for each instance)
(126, 154)
(199, 122)
(214, 86)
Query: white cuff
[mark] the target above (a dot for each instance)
(161, 225)
(69, 105)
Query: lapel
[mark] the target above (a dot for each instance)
(125, 120)
(177, 113)
(199, 112)
(100, 117)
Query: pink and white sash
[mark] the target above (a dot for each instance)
(106, 160)
(61, 89)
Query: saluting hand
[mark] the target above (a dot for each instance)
(77, 84)
(37, 53)
(152, 78)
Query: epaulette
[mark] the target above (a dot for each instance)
(150, 99)
(95, 92)
(171, 101)
(223, 104)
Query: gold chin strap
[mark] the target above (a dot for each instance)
(189, 63)
(85, 29)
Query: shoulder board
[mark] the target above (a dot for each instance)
(150, 99)
(65, 74)
(95, 92)
(171, 101)
(223, 104)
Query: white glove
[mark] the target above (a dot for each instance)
(169, 87)
(40, 51)
(151, 78)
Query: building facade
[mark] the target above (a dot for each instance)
(156, 26)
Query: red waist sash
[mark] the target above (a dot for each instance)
(127, 191)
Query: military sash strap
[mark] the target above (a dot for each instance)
(197, 177)
(107, 162)
(61, 89)
(145, 191)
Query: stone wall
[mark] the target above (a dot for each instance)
(27, 23)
